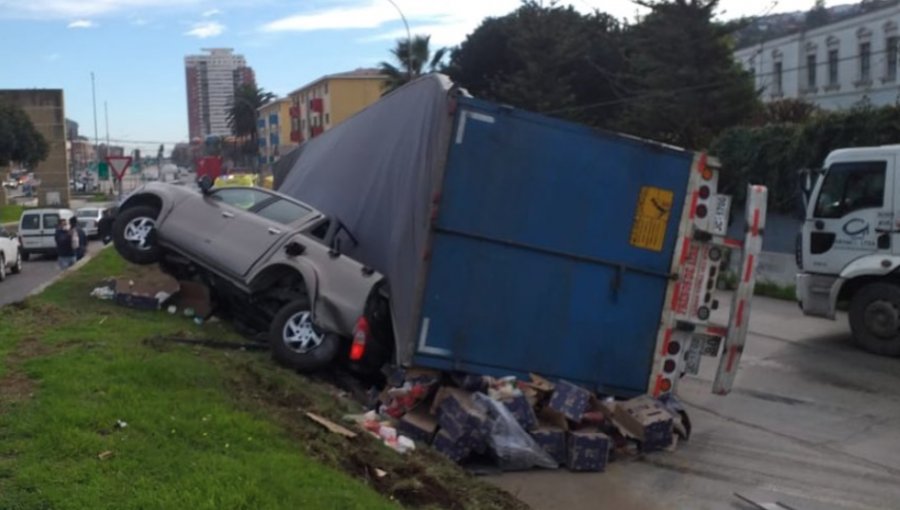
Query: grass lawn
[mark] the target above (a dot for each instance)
(10, 213)
(206, 428)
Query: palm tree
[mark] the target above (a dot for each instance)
(414, 59)
(248, 98)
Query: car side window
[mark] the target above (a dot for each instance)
(242, 198)
(283, 211)
(31, 222)
(51, 221)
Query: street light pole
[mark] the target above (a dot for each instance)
(408, 41)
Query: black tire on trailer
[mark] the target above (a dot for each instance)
(875, 318)
(134, 235)
(298, 343)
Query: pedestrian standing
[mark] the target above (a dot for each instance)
(65, 253)
(80, 247)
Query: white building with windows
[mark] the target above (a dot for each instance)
(835, 66)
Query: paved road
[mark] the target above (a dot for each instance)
(34, 273)
(813, 423)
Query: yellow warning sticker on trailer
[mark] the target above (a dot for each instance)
(650, 220)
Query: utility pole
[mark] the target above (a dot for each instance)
(96, 135)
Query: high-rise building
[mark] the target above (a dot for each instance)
(211, 82)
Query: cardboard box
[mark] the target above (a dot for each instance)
(647, 420)
(587, 451)
(521, 408)
(146, 293)
(451, 448)
(570, 400)
(418, 425)
(459, 416)
(552, 440)
(195, 296)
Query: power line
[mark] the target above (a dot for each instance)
(693, 88)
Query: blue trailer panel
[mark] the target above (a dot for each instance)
(537, 261)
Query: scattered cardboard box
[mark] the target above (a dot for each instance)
(588, 450)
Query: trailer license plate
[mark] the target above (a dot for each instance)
(700, 346)
(721, 212)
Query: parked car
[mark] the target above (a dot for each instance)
(89, 219)
(37, 229)
(11, 183)
(10, 254)
(271, 261)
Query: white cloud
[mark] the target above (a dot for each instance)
(206, 29)
(53, 57)
(82, 23)
(211, 12)
(42, 9)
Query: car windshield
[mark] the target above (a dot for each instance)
(88, 213)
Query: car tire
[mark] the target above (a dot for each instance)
(26, 255)
(297, 343)
(132, 238)
(2, 267)
(875, 318)
(17, 267)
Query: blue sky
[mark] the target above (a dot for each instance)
(136, 48)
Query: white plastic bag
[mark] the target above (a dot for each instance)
(515, 449)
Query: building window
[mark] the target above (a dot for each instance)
(892, 54)
(833, 61)
(776, 73)
(811, 71)
(865, 61)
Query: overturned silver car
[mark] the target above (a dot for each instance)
(273, 263)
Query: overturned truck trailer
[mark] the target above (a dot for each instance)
(517, 243)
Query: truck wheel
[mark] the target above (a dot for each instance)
(298, 343)
(875, 318)
(134, 235)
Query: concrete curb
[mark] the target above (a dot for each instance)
(78, 265)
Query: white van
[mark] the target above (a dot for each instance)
(37, 229)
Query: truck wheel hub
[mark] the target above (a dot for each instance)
(882, 319)
(300, 334)
(137, 232)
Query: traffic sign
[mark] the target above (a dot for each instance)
(102, 171)
(119, 164)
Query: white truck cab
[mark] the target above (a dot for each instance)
(849, 246)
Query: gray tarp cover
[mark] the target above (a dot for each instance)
(377, 172)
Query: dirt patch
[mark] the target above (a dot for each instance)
(420, 479)
(17, 386)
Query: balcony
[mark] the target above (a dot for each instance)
(316, 105)
(296, 136)
(295, 112)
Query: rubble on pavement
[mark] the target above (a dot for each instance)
(518, 424)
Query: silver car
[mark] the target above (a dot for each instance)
(89, 219)
(274, 264)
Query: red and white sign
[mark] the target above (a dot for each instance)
(119, 164)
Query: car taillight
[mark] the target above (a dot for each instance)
(361, 334)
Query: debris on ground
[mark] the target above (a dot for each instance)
(515, 424)
(148, 292)
(104, 292)
(331, 426)
(104, 455)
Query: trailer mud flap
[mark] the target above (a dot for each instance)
(739, 320)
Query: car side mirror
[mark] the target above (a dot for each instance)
(205, 184)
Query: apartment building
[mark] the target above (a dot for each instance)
(326, 102)
(211, 81)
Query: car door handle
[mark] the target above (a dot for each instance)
(226, 214)
(274, 231)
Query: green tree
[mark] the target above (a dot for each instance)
(687, 86)
(817, 16)
(546, 58)
(242, 113)
(413, 59)
(20, 141)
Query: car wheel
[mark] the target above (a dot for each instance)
(875, 318)
(17, 267)
(25, 255)
(2, 267)
(134, 235)
(298, 343)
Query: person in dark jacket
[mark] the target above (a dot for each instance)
(65, 253)
(81, 245)
(104, 227)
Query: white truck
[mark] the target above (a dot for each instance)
(848, 250)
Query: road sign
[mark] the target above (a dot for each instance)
(102, 171)
(119, 164)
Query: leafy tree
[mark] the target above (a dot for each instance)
(687, 87)
(242, 113)
(413, 59)
(818, 15)
(20, 141)
(787, 111)
(547, 58)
